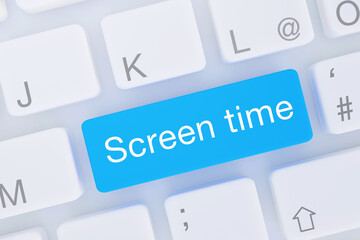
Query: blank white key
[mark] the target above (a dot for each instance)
(340, 17)
(249, 29)
(153, 43)
(35, 6)
(31, 234)
(227, 211)
(130, 223)
(37, 171)
(47, 70)
(3, 11)
(319, 197)
(336, 86)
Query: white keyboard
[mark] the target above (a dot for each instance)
(75, 165)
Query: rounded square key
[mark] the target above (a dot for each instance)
(35, 6)
(319, 196)
(249, 29)
(47, 70)
(126, 223)
(3, 11)
(340, 17)
(153, 43)
(229, 210)
(37, 171)
(31, 234)
(336, 82)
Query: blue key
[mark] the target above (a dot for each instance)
(197, 130)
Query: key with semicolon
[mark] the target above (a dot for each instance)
(197, 130)
(228, 210)
(37, 171)
(249, 29)
(318, 197)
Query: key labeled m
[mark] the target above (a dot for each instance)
(19, 190)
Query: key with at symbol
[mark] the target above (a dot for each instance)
(249, 29)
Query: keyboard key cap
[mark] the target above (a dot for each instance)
(35, 6)
(3, 11)
(318, 197)
(249, 29)
(47, 70)
(127, 223)
(31, 234)
(153, 43)
(340, 17)
(37, 171)
(197, 131)
(229, 210)
(336, 84)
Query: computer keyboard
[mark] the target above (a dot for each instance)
(179, 119)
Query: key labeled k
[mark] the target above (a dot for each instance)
(132, 66)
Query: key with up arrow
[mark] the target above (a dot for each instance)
(305, 220)
(317, 198)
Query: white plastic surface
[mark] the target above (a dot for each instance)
(55, 67)
(339, 17)
(35, 6)
(31, 234)
(336, 86)
(229, 210)
(153, 43)
(249, 29)
(315, 198)
(37, 171)
(3, 11)
(112, 99)
(130, 223)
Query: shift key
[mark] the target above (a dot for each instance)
(197, 130)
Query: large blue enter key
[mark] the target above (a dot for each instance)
(197, 130)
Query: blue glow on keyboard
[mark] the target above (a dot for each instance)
(197, 130)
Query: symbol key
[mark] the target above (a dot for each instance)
(249, 29)
(345, 109)
(318, 197)
(229, 210)
(337, 94)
